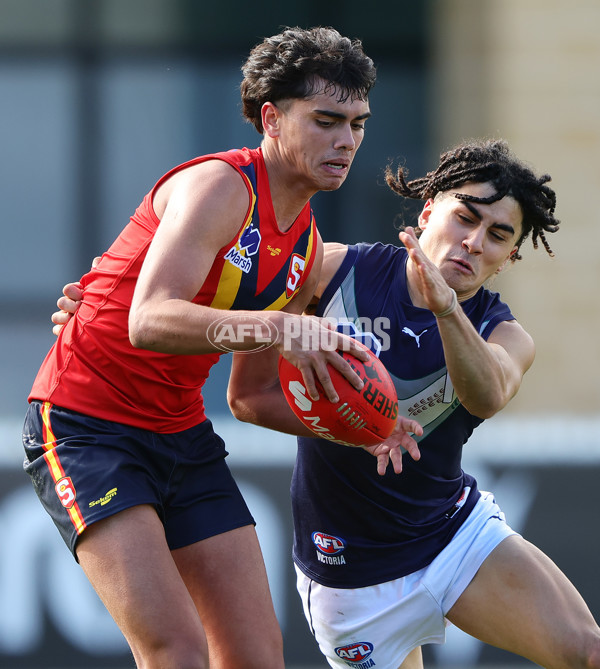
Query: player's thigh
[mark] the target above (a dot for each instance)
(519, 600)
(227, 579)
(128, 562)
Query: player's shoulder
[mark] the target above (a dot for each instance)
(333, 257)
(371, 257)
(334, 252)
(200, 184)
(213, 168)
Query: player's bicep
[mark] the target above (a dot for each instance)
(203, 212)
(515, 350)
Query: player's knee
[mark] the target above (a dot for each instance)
(586, 653)
(271, 658)
(268, 654)
(273, 661)
(178, 654)
(186, 660)
(592, 659)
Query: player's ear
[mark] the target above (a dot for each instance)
(510, 255)
(425, 214)
(270, 115)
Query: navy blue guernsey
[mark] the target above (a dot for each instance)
(352, 527)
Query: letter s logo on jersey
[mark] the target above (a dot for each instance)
(327, 544)
(355, 652)
(297, 265)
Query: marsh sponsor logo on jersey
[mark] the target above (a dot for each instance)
(357, 655)
(248, 245)
(297, 265)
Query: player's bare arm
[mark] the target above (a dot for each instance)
(485, 374)
(193, 229)
(313, 363)
(333, 256)
(255, 396)
(254, 393)
(200, 209)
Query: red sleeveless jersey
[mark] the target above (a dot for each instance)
(92, 367)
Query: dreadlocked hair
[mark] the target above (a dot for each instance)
(487, 161)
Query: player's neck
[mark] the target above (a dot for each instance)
(289, 194)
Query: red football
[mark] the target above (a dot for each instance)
(361, 417)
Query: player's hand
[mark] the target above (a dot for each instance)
(431, 284)
(312, 343)
(399, 442)
(69, 302)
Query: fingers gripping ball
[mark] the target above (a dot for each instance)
(361, 417)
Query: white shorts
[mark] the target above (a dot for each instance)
(379, 625)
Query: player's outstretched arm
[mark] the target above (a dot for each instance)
(485, 374)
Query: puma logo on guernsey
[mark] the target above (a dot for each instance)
(416, 337)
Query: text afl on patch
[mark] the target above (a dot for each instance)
(356, 653)
(327, 544)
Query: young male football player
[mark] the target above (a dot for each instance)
(117, 444)
(426, 546)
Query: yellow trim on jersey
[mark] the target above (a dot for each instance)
(231, 276)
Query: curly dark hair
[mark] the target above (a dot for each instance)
(482, 161)
(290, 64)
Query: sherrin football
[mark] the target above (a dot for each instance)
(361, 417)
